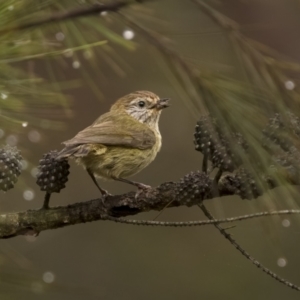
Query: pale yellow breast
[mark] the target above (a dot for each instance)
(111, 161)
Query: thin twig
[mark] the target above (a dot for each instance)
(162, 211)
(245, 253)
(203, 222)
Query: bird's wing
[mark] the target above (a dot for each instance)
(115, 132)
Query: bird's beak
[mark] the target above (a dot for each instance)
(162, 103)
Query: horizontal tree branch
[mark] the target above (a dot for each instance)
(32, 222)
(169, 194)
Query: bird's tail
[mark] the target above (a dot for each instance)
(73, 150)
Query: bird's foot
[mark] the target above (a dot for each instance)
(105, 194)
(142, 189)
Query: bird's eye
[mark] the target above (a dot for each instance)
(141, 103)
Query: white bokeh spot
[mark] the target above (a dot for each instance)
(3, 96)
(286, 223)
(289, 85)
(76, 64)
(28, 195)
(59, 36)
(48, 277)
(128, 34)
(34, 136)
(281, 262)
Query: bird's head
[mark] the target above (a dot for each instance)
(144, 106)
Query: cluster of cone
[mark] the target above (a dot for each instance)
(223, 148)
(53, 173)
(227, 151)
(10, 167)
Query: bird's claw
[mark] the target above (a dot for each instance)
(142, 188)
(105, 194)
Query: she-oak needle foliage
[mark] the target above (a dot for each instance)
(266, 88)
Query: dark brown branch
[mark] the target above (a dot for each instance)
(32, 222)
(73, 13)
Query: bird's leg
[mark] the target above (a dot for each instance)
(104, 193)
(141, 187)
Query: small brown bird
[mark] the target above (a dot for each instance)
(121, 142)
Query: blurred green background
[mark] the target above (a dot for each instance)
(103, 260)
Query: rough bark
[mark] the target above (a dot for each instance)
(32, 222)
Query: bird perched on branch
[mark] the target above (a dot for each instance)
(121, 142)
